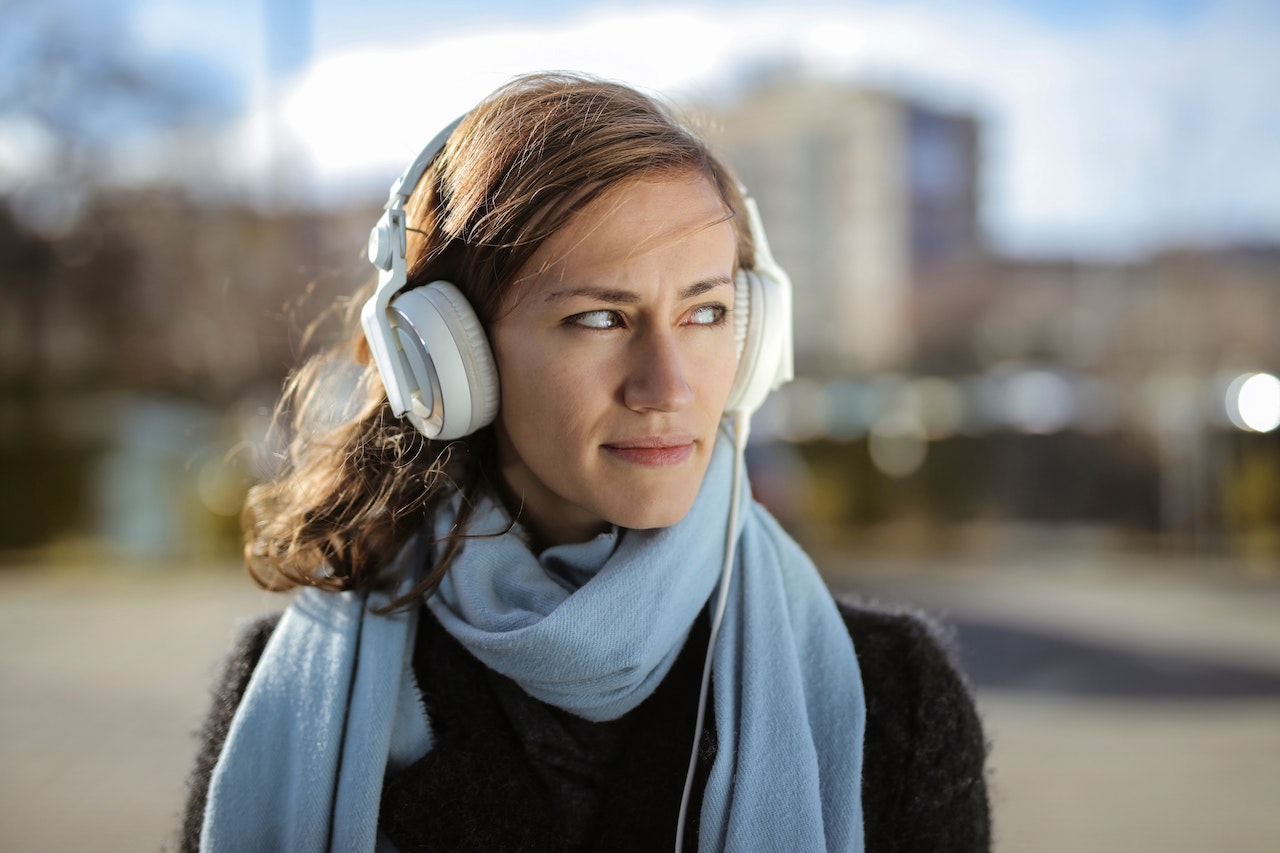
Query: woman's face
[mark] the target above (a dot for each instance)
(615, 355)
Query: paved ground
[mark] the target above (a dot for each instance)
(105, 677)
(1132, 705)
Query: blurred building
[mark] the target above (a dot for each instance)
(867, 197)
(138, 349)
(979, 386)
(1183, 311)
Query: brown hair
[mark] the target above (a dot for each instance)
(356, 482)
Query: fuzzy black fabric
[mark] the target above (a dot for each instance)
(923, 781)
(236, 671)
(487, 786)
(508, 772)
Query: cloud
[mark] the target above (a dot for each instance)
(1107, 138)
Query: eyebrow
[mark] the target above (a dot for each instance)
(627, 297)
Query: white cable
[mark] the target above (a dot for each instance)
(741, 421)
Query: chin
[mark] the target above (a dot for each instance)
(654, 512)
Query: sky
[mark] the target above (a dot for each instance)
(1109, 128)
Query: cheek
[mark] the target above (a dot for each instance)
(544, 396)
(721, 367)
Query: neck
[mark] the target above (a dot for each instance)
(548, 518)
(546, 529)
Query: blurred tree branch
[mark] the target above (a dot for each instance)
(75, 83)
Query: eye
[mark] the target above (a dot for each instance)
(707, 315)
(603, 319)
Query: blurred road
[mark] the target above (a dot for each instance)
(1132, 704)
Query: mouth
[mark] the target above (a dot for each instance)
(652, 451)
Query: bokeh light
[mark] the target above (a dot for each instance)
(898, 444)
(1253, 402)
(1039, 402)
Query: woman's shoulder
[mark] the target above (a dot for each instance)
(912, 677)
(902, 645)
(240, 661)
(925, 752)
(237, 668)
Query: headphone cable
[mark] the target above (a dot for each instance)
(741, 422)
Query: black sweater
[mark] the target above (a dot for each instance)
(508, 772)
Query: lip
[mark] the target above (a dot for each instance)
(655, 451)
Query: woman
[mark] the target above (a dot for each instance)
(541, 612)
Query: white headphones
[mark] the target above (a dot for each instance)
(434, 358)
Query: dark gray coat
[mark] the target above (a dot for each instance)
(510, 773)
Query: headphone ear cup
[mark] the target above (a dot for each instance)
(741, 316)
(450, 360)
(763, 362)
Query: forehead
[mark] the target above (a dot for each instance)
(633, 221)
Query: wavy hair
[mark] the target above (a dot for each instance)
(356, 481)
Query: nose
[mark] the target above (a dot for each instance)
(656, 379)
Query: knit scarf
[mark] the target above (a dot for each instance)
(333, 705)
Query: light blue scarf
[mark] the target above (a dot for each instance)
(303, 764)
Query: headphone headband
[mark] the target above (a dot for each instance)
(412, 175)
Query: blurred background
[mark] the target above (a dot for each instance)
(1036, 255)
